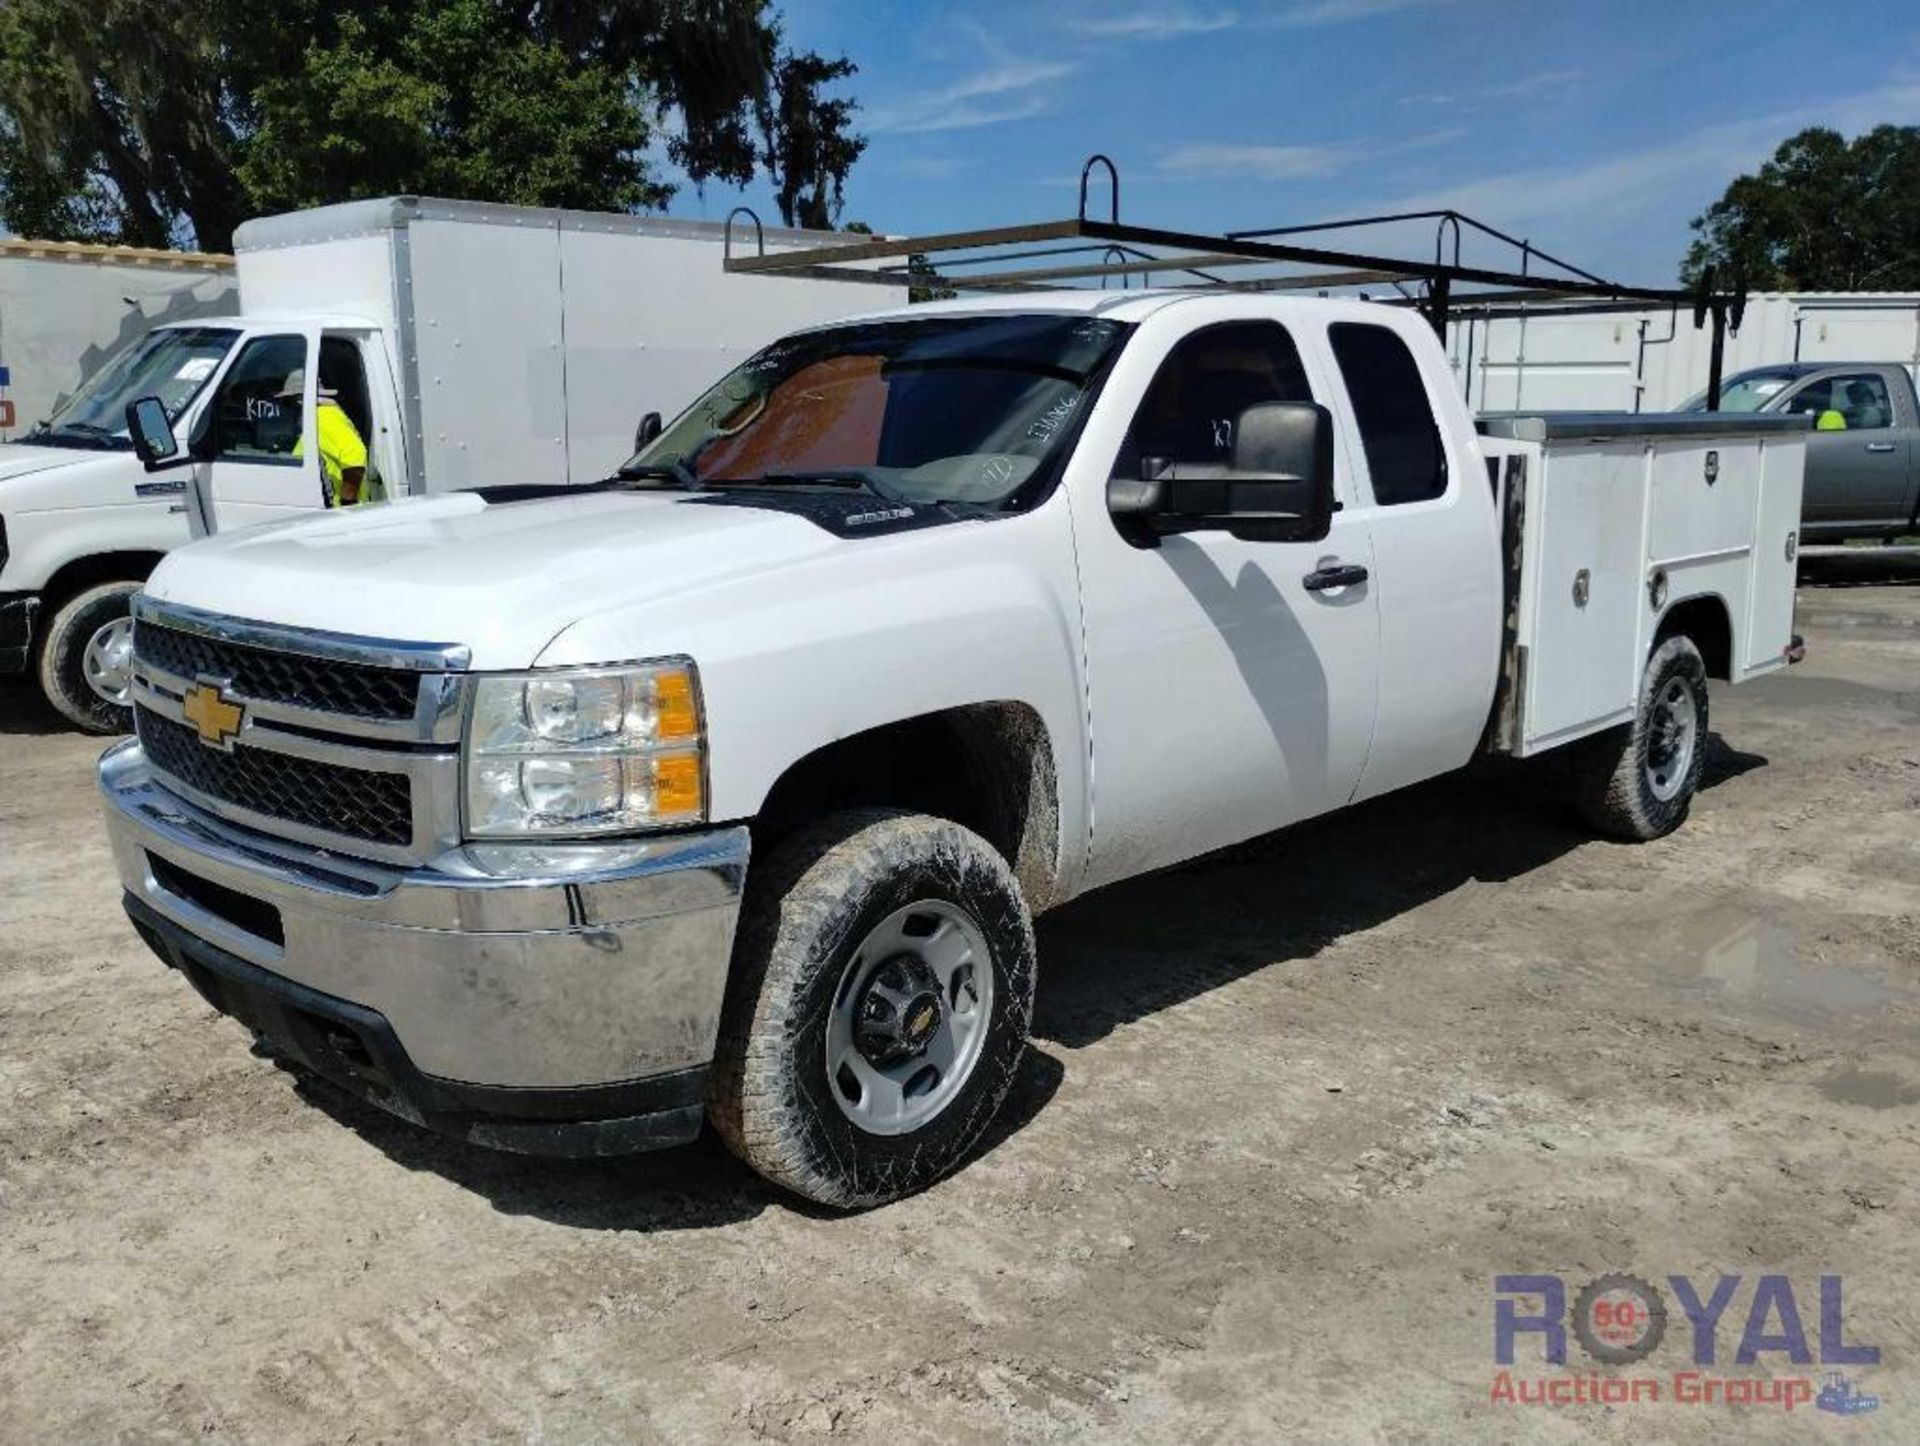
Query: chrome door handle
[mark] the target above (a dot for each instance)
(1339, 574)
(1879, 446)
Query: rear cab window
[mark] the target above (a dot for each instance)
(1406, 455)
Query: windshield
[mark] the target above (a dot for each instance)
(171, 364)
(1747, 392)
(950, 409)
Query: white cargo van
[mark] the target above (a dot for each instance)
(469, 344)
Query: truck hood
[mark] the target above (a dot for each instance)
(503, 578)
(18, 459)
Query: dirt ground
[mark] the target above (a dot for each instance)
(1288, 1114)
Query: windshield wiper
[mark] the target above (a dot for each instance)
(660, 472)
(88, 434)
(867, 479)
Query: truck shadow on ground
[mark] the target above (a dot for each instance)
(1106, 961)
(695, 1187)
(24, 713)
(1116, 956)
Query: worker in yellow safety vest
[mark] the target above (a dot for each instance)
(343, 454)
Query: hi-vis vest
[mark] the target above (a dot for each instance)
(340, 450)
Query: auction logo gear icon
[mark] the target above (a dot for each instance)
(1619, 1319)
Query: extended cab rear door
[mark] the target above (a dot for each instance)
(1428, 503)
(1229, 691)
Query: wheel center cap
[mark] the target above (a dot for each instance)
(922, 1019)
(900, 1011)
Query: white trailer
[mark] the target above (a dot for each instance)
(1653, 360)
(470, 345)
(66, 307)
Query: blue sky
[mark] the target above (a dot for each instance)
(1597, 129)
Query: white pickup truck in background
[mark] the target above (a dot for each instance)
(939, 617)
(468, 343)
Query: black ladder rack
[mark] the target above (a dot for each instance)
(1084, 249)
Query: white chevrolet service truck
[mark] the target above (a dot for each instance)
(561, 820)
(468, 344)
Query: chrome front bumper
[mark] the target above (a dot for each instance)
(521, 968)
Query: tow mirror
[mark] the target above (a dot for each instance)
(152, 433)
(648, 429)
(1278, 486)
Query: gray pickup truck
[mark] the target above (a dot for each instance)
(1863, 458)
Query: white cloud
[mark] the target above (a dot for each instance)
(1008, 87)
(1214, 161)
(1166, 23)
(1640, 182)
(1205, 161)
(1525, 88)
(1636, 205)
(1340, 12)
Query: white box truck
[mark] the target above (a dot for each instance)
(469, 344)
(726, 790)
(67, 307)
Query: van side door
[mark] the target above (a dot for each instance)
(1230, 682)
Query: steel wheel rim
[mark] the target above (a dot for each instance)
(932, 938)
(1673, 730)
(107, 663)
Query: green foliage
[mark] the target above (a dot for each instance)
(454, 102)
(1824, 214)
(156, 121)
(810, 140)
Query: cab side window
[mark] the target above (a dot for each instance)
(1861, 400)
(257, 414)
(1405, 458)
(1188, 416)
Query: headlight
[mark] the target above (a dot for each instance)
(587, 751)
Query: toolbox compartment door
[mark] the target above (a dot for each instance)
(1581, 592)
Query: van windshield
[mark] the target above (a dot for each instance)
(172, 364)
(950, 409)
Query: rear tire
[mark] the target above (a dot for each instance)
(86, 658)
(1637, 781)
(878, 1009)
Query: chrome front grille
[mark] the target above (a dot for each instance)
(325, 685)
(346, 742)
(353, 803)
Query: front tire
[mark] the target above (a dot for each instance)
(1637, 781)
(881, 993)
(86, 659)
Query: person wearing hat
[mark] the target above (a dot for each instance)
(343, 454)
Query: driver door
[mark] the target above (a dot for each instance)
(1231, 689)
(255, 445)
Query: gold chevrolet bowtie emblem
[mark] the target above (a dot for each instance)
(214, 717)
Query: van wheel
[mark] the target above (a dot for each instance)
(1637, 781)
(881, 992)
(86, 659)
